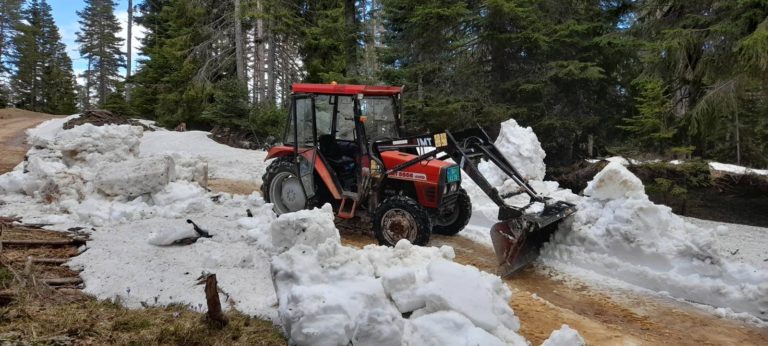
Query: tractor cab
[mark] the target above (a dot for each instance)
(337, 122)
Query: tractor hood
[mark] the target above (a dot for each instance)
(427, 171)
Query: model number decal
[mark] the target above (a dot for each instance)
(411, 175)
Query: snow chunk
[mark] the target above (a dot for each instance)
(306, 227)
(565, 336)
(523, 150)
(90, 144)
(613, 182)
(168, 236)
(135, 177)
(447, 328)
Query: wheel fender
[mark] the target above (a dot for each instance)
(320, 167)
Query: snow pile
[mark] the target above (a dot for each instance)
(223, 162)
(522, 148)
(331, 294)
(565, 336)
(618, 232)
(94, 174)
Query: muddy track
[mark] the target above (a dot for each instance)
(13, 124)
(602, 318)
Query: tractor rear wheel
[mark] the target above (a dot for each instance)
(452, 222)
(282, 187)
(401, 217)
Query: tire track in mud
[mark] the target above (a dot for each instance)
(543, 304)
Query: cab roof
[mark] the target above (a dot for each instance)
(346, 89)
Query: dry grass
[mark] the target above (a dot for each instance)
(39, 315)
(85, 321)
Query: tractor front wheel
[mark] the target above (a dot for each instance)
(282, 187)
(453, 221)
(401, 217)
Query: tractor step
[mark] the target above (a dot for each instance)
(348, 205)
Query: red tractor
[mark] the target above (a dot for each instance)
(343, 146)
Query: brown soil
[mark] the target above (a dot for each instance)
(602, 318)
(233, 186)
(13, 123)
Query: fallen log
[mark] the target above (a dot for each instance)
(62, 281)
(38, 242)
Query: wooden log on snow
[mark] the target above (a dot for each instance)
(215, 313)
(62, 281)
(37, 242)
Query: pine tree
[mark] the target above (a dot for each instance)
(10, 15)
(100, 44)
(43, 80)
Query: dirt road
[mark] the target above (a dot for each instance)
(13, 123)
(542, 303)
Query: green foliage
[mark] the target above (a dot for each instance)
(655, 124)
(43, 80)
(229, 107)
(267, 120)
(116, 103)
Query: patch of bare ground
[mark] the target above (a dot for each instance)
(234, 186)
(603, 318)
(13, 124)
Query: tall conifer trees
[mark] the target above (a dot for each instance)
(100, 45)
(43, 79)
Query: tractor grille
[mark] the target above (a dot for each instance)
(430, 193)
(449, 201)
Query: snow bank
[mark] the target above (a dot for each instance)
(618, 232)
(729, 168)
(331, 294)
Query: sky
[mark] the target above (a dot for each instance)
(65, 15)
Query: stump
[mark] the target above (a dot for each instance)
(215, 314)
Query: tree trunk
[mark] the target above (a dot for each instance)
(260, 52)
(239, 41)
(128, 57)
(87, 97)
(271, 71)
(350, 21)
(738, 139)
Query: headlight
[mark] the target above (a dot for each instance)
(446, 188)
(454, 187)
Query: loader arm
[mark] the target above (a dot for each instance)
(518, 234)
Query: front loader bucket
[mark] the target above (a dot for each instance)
(516, 241)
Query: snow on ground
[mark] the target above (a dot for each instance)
(620, 238)
(135, 191)
(725, 167)
(741, 243)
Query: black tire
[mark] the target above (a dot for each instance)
(396, 213)
(283, 168)
(456, 221)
